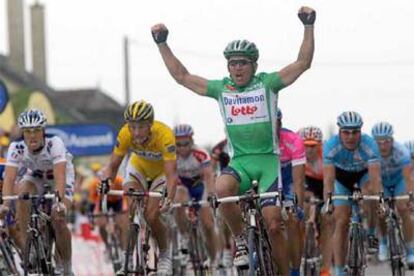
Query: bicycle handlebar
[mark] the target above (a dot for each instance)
(135, 194)
(30, 196)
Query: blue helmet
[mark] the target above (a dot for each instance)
(349, 119)
(382, 130)
(183, 130)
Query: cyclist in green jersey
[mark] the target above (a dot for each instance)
(247, 102)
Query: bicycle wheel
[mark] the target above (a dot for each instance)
(132, 240)
(356, 252)
(38, 264)
(7, 256)
(251, 240)
(114, 252)
(310, 252)
(264, 254)
(195, 252)
(49, 248)
(396, 253)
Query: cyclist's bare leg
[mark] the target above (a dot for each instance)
(122, 219)
(63, 235)
(152, 215)
(23, 209)
(342, 214)
(209, 231)
(370, 207)
(325, 239)
(131, 209)
(295, 238)
(101, 222)
(227, 185)
(181, 195)
(273, 219)
(407, 223)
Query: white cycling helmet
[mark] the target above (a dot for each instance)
(382, 130)
(349, 119)
(32, 118)
(183, 130)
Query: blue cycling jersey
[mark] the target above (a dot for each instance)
(334, 153)
(392, 166)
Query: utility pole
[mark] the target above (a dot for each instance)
(126, 71)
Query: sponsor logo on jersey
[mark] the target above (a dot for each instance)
(171, 148)
(246, 108)
(149, 155)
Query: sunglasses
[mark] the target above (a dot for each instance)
(383, 141)
(241, 62)
(348, 132)
(183, 144)
(28, 131)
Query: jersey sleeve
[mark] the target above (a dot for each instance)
(273, 81)
(168, 146)
(123, 141)
(14, 154)
(298, 152)
(214, 88)
(202, 156)
(57, 150)
(406, 157)
(371, 148)
(328, 153)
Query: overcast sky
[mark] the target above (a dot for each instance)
(364, 55)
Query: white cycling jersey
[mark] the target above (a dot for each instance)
(40, 165)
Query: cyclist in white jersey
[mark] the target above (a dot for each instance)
(48, 163)
(247, 102)
(196, 183)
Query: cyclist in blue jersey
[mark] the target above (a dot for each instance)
(396, 180)
(247, 102)
(350, 158)
(410, 146)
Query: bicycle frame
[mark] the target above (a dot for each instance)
(196, 246)
(257, 235)
(356, 237)
(394, 234)
(139, 233)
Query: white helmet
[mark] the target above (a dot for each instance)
(32, 118)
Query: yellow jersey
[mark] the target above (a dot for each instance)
(149, 158)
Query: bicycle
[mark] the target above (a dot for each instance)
(39, 247)
(138, 231)
(312, 259)
(7, 250)
(196, 247)
(259, 248)
(113, 244)
(356, 262)
(394, 233)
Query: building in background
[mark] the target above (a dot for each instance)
(90, 105)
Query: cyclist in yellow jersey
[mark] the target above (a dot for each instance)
(153, 158)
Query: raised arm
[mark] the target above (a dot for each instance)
(175, 67)
(290, 73)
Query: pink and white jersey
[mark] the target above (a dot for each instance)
(292, 149)
(192, 166)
